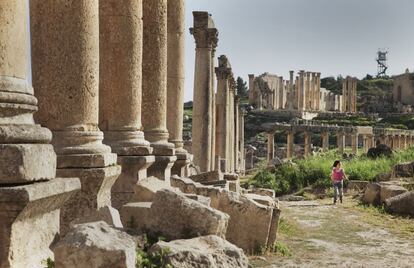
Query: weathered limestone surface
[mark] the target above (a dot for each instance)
(404, 170)
(401, 204)
(154, 76)
(372, 194)
(29, 220)
(67, 82)
(174, 216)
(388, 191)
(95, 245)
(205, 35)
(202, 252)
(251, 224)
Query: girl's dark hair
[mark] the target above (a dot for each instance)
(336, 163)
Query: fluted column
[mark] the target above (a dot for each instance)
(302, 91)
(318, 91)
(230, 122)
(120, 96)
(340, 137)
(206, 40)
(30, 195)
(65, 55)
(236, 133)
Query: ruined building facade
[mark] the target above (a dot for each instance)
(300, 93)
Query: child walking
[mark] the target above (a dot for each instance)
(337, 177)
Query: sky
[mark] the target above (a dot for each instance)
(329, 36)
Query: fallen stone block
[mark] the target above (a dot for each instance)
(262, 191)
(145, 189)
(358, 186)
(403, 170)
(174, 216)
(202, 252)
(231, 177)
(208, 176)
(388, 191)
(95, 245)
(372, 195)
(107, 214)
(402, 204)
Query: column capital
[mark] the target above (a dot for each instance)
(204, 31)
(223, 71)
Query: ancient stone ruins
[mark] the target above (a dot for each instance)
(304, 93)
(92, 151)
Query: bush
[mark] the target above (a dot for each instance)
(315, 171)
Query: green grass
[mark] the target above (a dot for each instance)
(315, 171)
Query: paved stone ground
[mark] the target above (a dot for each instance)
(319, 234)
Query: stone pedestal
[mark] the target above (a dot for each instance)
(205, 35)
(181, 165)
(29, 221)
(134, 169)
(67, 83)
(161, 168)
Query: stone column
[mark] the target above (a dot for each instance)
(30, 195)
(236, 134)
(302, 91)
(340, 136)
(366, 143)
(154, 87)
(231, 125)
(308, 143)
(120, 96)
(282, 93)
(345, 95)
(65, 68)
(205, 36)
(241, 142)
(354, 143)
(318, 91)
(270, 147)
(290, 146)
(223, 73)
(325, 141)
(175, 84)
(308, 90)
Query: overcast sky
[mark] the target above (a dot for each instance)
(329, 36)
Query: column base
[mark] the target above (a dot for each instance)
(95, 193)
(134, 169)
(30, 220)
(180, 166)
(161, 168)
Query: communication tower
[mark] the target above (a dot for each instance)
(382, 62)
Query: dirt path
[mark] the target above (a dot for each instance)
(318, 234)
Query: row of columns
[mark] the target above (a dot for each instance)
(218, 123)
(397, 141)
(107, 76)
(368, 142)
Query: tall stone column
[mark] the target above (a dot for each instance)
(236, 132)
(290, 146)
(175, 84)
(318, 91)
(308, 142)
(340, 136)
(154, 87)
(120, 96)
(65, 55)
(231, 126)
(345, 95)
(206, 37)
(223, 73)
(282, 93)
(270, 147)
(30, 195)
(308, 86)
(302, 91)
(241, 142)
(325, 141)
(354, 143)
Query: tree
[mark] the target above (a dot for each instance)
(241, 86)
